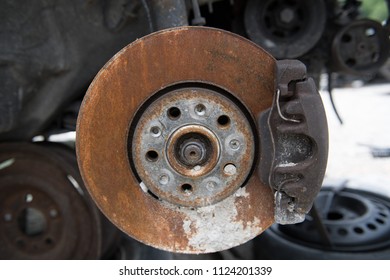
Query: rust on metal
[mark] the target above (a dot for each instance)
(181, 146)
(45, 212)
(125, 84)
(211, 158)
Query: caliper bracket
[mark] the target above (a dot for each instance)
(294, 143)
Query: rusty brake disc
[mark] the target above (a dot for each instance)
(108, 233)
(167, 140)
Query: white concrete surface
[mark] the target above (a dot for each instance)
(366, 115)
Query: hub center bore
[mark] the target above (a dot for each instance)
(193, 149)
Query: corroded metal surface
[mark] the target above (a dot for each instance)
(44, 212)
(148, 66)
(295, 151)
(360, 47)
(287, 29)
(184, 140)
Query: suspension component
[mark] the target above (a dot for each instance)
(168, 143)
(294, 143)
(285, 28)
(45, 212)
(360, 47)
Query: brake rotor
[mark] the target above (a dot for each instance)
(44, 214)
(167, 140)
(110, 235)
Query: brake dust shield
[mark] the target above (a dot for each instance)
(167, 140)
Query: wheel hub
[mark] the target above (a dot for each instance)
(192, 147)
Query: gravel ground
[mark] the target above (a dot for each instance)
(366, 115)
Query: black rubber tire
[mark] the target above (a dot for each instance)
(272, 246)
(280, 244)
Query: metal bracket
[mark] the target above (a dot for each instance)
(294, 143)
(198, 19)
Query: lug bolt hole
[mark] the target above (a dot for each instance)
(342, 232)
(200, 109)
(230, 169)
(186, 189)
(346, 38)
(152, 156)
(380, 221)
(49, 241)
(223, 121)
(371, 226)
(174, 113)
